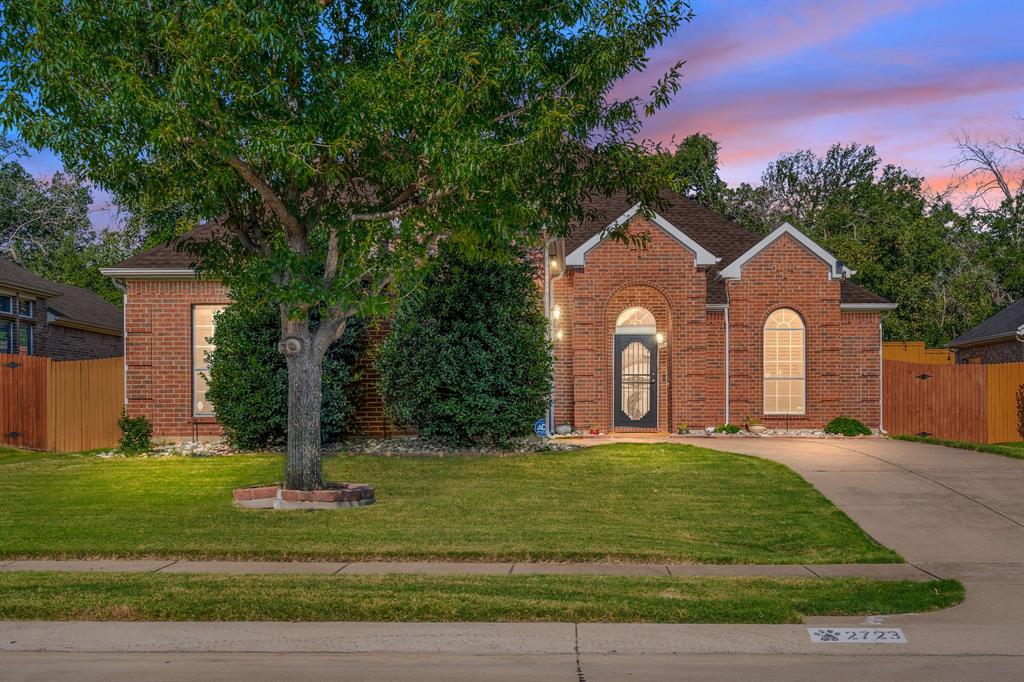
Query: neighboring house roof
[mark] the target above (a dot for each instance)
(1008, 323)
(84, 309)
(66, 305)
(18, 278)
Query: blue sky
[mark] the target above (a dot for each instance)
(765, 78)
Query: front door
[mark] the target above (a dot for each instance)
(636, 372)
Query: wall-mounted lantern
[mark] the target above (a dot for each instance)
(659, 338)
(559, 335)
(556, 312)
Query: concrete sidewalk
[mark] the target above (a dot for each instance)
(877, 571)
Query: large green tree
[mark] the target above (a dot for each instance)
(338, 141)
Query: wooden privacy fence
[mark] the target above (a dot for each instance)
(914, 351)
(976, 403)
(63, 406)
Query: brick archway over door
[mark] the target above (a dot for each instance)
(650, 298)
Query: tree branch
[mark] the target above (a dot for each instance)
(293, 228)
(398, 212)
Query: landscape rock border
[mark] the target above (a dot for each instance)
(332, 496)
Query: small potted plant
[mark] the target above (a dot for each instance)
(594, 431)
(754, 425)
(683, 429)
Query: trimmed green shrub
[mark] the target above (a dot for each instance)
(727, 428)
(248, 378)
(468, 361)
(847, 426)
(136, 433)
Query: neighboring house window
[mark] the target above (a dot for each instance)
(6, 303)
(202, 333)
(26, 339)
(6, 337)
(785, 373)
(27, 308)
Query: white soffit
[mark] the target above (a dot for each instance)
(733, 270)
(703, 256)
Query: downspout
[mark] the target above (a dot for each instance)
(881, 378)
(124, 337)
(727, 364)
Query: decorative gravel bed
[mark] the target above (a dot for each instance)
(415, 446)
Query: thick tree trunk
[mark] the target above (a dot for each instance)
(305, 395)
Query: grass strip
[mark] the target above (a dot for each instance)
(129, 596)
(1014, 450)
(658, 503)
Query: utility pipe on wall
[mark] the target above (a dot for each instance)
(727, 364)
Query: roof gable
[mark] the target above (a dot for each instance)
(701, 255)
(734, 269)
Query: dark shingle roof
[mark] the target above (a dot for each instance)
(171, 256)
(853, 293)
(22, 279)
(66, 302)
(1003, 324)
(722, 237)
(82, 306)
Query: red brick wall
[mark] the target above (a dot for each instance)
(662, 278)
(158, 354)
(159, 361)
(842, 349)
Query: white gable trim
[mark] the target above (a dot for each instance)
(703, 256)
(733, 270)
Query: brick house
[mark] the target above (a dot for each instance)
(706, 323)
(1000, 338)
(59, 321)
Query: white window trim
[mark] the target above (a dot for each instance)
(766, 379)
(192, 355)
(701, 255)
(735, 269)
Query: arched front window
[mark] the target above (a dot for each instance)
(635, 321)
(785, 369)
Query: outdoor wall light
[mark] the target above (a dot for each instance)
(556, 312)
(559, 335)
(659, 338)
(554, 264)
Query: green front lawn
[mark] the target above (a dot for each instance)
(653, 503)
(1014, 450)
(127, 596)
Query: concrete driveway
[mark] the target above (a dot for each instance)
(932, 504)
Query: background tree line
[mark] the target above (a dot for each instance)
(949, 259)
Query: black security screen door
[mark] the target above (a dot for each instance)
(636, 371)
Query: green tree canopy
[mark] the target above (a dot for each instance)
(338, 141)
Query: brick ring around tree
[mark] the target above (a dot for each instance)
(331, 496)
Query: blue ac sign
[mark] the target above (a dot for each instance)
(540, 427)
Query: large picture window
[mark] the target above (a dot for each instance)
(6, 337)
(785, 369)
(26, 339)
(202, 334)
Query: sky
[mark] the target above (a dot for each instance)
(766, 78)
